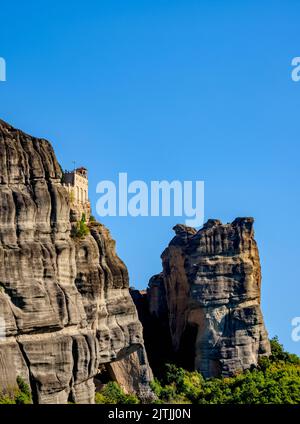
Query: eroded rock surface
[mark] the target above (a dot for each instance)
(133, 374)
(65, 306)
(208, 297)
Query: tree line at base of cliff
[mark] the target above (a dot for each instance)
(276, 380)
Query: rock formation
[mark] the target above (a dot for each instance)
(207, 299)
(65, 307)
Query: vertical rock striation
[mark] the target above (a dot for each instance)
(65, 306)
(209, 294)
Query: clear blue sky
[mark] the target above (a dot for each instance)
(188, 90)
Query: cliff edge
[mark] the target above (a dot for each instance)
(205, 305)
(65, 307)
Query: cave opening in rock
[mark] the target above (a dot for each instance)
(186, 351)
(103, 377)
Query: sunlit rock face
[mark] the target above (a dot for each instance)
(208, 299)
(65, 306)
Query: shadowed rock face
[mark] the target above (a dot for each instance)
(210, 288)
(65, 306)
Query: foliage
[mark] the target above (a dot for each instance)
(279, 354)
(20, 396)
(92, 218)
(7, 400)
(113, 394)
(276, 380)
(81, 229)
(24, 394)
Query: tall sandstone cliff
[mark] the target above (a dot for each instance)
(203, 310)
(65, 308)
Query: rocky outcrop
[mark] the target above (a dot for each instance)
(133, 374)
(208, 297)
(65, 306)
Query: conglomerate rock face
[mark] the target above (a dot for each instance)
(65, 306)
(209, 294)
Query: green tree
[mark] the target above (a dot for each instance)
(276, 380)
(81, 229)
(112, 393)
(19, 396)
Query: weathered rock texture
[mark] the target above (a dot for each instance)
(133, 374)
(64, 303)
(209, 296)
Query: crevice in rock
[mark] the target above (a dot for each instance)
(32, 381)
